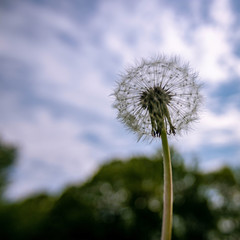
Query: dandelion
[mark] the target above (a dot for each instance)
(157, 97)
(158, 92)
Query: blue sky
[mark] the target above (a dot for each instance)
(59, 61)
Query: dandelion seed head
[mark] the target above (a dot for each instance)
(156, 93)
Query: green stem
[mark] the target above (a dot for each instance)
(168, 189)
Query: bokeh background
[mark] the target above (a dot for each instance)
(59, 61)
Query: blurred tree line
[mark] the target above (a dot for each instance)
(123, 200)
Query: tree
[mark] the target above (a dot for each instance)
(123, 200)
(7, 159)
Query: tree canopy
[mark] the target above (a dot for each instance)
(7, 159)
(123, 200)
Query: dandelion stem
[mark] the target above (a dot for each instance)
(168, 189)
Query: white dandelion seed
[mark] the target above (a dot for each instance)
(156, 93)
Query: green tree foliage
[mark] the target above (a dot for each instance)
(7, 159)
(123, 200)
(25, 219)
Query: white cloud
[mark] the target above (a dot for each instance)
(221, 13)
(56, 144)
(143, 31)
(214, 44)
(78, 75)
(214, 129)
(213, 51)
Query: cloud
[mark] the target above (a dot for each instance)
(221, 12)
(54, 145)
(215, 44)
(215, 129)
(208, 45)
(58, 69)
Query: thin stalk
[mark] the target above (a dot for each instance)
(168, 189)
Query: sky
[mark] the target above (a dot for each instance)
(59, 61)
